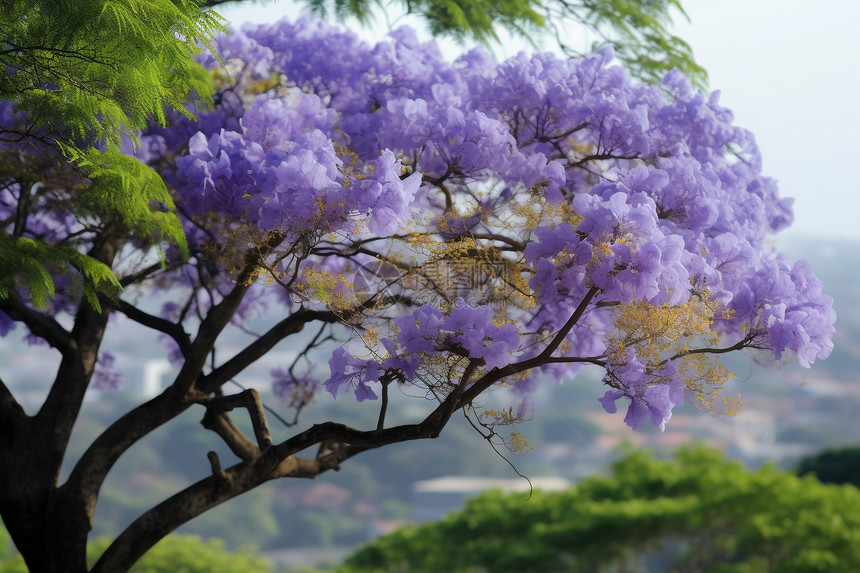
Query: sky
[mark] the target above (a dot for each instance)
(789, 73)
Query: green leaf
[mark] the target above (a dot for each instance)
(29, 265)
(129, 193)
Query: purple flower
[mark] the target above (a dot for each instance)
(475, 330)
(647, 391)
(420, 331)
(104, 377)
(294, 392)
(350, 371)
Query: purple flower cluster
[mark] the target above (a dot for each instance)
(619, 246)
(664, 195)
(785, 303)
(424, 333)
(599, 193)
(644, 397)
(282, 173)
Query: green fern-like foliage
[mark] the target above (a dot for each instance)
(461, 19)
(93, 69)
(83, 74)
(638, 30)
(33, 264)
(129, 194)
(480, 18)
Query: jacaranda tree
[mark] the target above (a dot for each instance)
(431, 229)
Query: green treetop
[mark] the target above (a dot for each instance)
(90, 70)
(699, 513)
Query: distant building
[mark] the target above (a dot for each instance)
(433, 499)
(151, 381)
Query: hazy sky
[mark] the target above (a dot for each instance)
(789, 72)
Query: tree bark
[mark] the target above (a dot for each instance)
(50, 533)
(49, 530)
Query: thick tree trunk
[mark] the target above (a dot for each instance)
(50, 533)
(50, 527)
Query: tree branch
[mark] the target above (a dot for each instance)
(39, 323)
(240, 444)
(220, 315)
(171, 329)
(745, 342)
(337, 442)
(154, 524)
(260, 346)
(60, 409)
(571, 322)
(545, 357)
(217, 420)
(140, 275)
(364, 439)
(89, 473)
(383, 405)
(207, 493)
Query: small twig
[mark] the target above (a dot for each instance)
(277, 416)
(215, 464)
(489, 439)
(383, 407)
